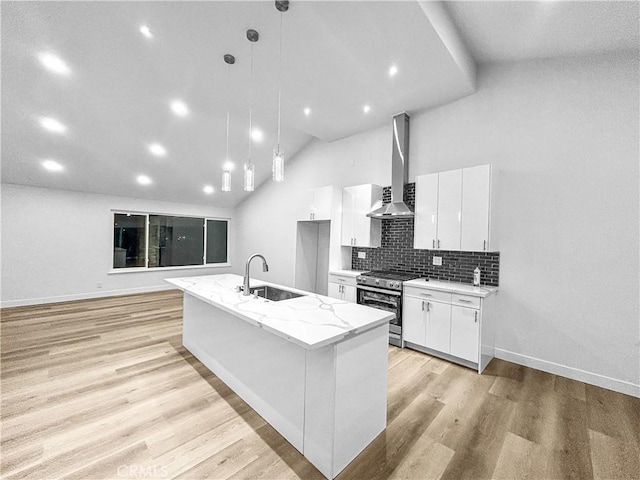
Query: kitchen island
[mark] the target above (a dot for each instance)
(314, 367)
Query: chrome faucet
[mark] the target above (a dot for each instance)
(265, 268)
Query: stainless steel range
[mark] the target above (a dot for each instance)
(383, 290)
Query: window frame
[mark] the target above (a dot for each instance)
(146, 267)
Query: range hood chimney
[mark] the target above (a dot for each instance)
(399, 171)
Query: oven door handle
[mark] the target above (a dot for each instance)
(380, 290)
(393, 304)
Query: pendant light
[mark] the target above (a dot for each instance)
(277, 168)
(226, 169)
(249, 180)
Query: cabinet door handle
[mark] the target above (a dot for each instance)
(428, 306)
(484, 245)
(438, 243)
(464, 301)
(423, 305)
(476, 316)
(355, 241)
(434, 243)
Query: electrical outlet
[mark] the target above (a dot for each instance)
(362, 254)
(437, 260)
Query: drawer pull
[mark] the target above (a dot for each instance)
(426, 294)
(464, 301)
(341, 280)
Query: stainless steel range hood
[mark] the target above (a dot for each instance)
(399, 171)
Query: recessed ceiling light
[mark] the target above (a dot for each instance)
(143, 180)
(52, 165)
(53, 63)
(157, 150)
(228, 166)
(257, 135)
(366, 109)
(307, 111)
(52, 125)
(393, 70)
(179, 108)
(144, 30)
(208, 189)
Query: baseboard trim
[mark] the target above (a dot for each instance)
(83, 296)
(603, 381)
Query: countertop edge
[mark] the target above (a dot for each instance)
(453, 288)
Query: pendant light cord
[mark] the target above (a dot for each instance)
(228, 108)
(279, 81)
(251, 106)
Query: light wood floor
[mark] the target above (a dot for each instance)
(103, 389)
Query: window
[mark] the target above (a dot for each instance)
(156, 241)
(129, 240)
(216, 241)
(175, 241)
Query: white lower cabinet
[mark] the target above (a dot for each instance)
(414, 324)
(342, 287)
(465, 332)
(342, 292)
(449, 324)
(438, 331)
(426, 323)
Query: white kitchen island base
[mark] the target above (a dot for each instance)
(328, 402)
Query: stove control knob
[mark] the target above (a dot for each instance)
(377, 282)
(393, 284)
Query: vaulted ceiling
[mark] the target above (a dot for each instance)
(114, 101)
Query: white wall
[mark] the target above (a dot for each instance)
(57, 245)
(267, 219)
(564, 135)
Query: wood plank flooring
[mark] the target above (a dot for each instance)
(103, 389)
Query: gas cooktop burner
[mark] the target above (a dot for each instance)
(390, 275)
(385, 279)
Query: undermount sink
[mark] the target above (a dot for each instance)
(273, 293)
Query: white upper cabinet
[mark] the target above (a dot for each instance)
(358, 230)
(426, 213)
(316, 204)
(476, 195)
(453, 210)
(449, 210)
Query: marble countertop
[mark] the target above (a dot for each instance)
(311, 321)
(453, 287)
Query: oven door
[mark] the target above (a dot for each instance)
(388, 300)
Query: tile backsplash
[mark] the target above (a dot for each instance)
(397, 253)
